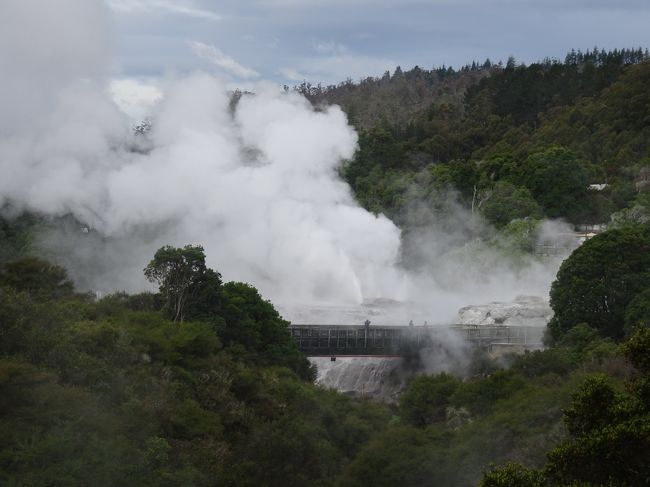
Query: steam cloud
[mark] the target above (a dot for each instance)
(256, 184)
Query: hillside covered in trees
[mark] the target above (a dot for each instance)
(201, 384)
(510, 141)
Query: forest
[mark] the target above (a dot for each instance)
(512, 141)
(201, 384)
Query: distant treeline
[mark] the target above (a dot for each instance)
(596, 57)
(508, 141)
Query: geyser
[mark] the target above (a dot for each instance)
(256, 185)
(256, 182)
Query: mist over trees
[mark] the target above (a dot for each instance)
(552, 127)
(113, 391)
(201, 384)
(608, 433)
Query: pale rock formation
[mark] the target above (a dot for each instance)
(523, 311)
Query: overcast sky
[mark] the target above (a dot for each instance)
(329, 40)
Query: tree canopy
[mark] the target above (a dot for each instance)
(609, 433)
(558, 180)
(508, 203)
(600, 279)
(427, 399)
(177, 271)
(37, 277)
(552, 127)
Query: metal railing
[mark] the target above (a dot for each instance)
(385, 340)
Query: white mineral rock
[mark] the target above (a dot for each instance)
(523, 311)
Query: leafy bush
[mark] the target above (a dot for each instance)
(480, 395)
(599, 280)
(426, 399)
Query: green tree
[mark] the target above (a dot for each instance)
(462, 174)
(518, 236)
(480, 395)
(610, 439)
(400, 456)
(508, 202)
(637, 352)
(16, 234)
(497, 167)
(251, 322)
(205, 297)
(37, 277)
(426, 399)
(637, 312)
(512, 475)
(540, 362)
(177, 271)
(558, 180)
(598, 281)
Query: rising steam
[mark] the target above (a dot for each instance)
(255, 183)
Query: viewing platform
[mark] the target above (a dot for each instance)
(395, 341)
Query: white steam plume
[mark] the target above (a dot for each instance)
(256, 185)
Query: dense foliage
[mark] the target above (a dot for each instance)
(114, 393)
(449, 431)
(608, 433)
(179, 274)
(201, 384)
(549, 130)
(598, 282)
